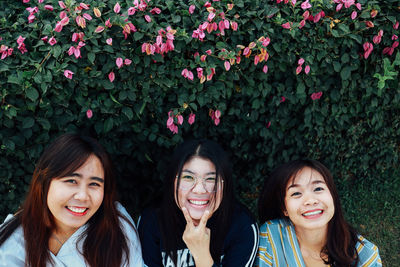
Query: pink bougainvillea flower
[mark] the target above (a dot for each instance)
(358, 6)
(394, 37)
(298, 69)
(155, 10)
(48, 7)
(84, 6)
(89, 113)
(64, 21)
(317, 17)
(44, 39)
(315, 96)
(373, 13)
(227, 65)
(293, 2)
(266, 42)
(256, 60)
(377, 39)
(63, 14)
(396, 25)
(127, 61)
(300, 61)
(191, 9)
(111, 76)
(40, 1)
(99, 29)
(395, 44)
(302, 23)
(199, 72)
(52, 41)
(117, 8)
(283, 99)
(234, 25)
(61, 4)
(170, 121)
(97, 12)
(71, 50)
(268, 124)
(191, 118)
(353, 15)
(131, 11)
(217, 114)
(119, 62)
(368, 47)
(307, 69)
(180, 119)
(208, 52)
(87, 16)
(20, 40)
(265, 69)
(109, 41)
(369, 24)
(305, 5)
(147, 18)
(216, 121)
(68, 74)
(211, 16)
(286, 25)
(58, 27)
(203, 58)
(108, 23)
(81, 21)
(306, 14)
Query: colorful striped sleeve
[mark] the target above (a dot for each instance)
(368, 254)
(265, 248)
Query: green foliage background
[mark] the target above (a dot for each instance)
(353, 128)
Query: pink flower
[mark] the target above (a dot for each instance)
(89, 113)
(394, 37)
(353, 15)
(117, 8)
(298, 69)
(84, 6)
(170, 121)
(180, 119)
(286, 25)
(217, 114)
(119, 62)
(63, 14)
(87, 16)
(81, 22)
(58, 27)
(191, 118)
(68, 74)
(256, 60)
(48, 7)
(395, 44)
(300, 61)
(131, 11)
(265, 69)
(191, 9)
(109, 41)
(155, 10)
(317, 17)
(61, 4)
(108, 23)
(358, 5)
(268, 124)
(246, 51)
(283, 99)
(147, 18)
(377, 39)
(305, 5)
(111, 76)
(211, 16)
(199, 72)
(234, 25)
(52, 41)
(302, 23)
(20, 40)
(71, 50)
(99, 29)
(396, 25)
(315, 96)
(44, 39)
(64, 21)
(227, 65)
(216, 121)
(307, 69)
(127, 62)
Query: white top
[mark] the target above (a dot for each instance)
(12, 251)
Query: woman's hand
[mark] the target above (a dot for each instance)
(197, 239)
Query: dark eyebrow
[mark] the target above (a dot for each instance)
(189, 171)
(313, 182)
(98, 179)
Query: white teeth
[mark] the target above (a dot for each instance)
(312, 213)
(77, 210)
(198, 202)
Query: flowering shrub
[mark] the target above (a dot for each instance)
(270, 80)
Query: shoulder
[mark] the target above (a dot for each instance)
(13, 249)
(243, 224)
(368, 253)
(148, 218)
(275, 225)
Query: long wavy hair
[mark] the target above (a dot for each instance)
(342, 238)
(104, 241)
(172, 221)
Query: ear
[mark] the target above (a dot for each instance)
(286, 213)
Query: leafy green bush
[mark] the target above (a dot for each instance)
(265, 82)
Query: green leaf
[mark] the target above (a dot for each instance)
(27, 122)
(14, 79)
(56, 51)
(128, 112)
(345, 73)
(91, 57)
(32, 93)
(108, 125)
(137, 36)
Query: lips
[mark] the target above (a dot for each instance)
(77, 211)
(198, 202)
(312, 214)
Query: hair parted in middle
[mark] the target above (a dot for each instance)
(172, 221)
(341, 239)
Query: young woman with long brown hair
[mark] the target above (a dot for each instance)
(304, 223)
(70, 216)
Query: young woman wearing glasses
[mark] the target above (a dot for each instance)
(70, 216)
(199, 223)
(304, 223)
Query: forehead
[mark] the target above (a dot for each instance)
(304, 177)
(199, 165)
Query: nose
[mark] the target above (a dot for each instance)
(310, 199)
(199, 187)
(82, 193)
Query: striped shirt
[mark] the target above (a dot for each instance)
(279, 247)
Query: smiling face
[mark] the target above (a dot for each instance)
(73, 199)
(308, 201)
(197, 199)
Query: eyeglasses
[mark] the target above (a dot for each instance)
(187, 182)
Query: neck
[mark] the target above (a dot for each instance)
(313, 240)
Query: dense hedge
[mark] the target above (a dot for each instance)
(255, 95)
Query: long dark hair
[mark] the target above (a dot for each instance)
(342, 238)
(172, 222)
(105, 243)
